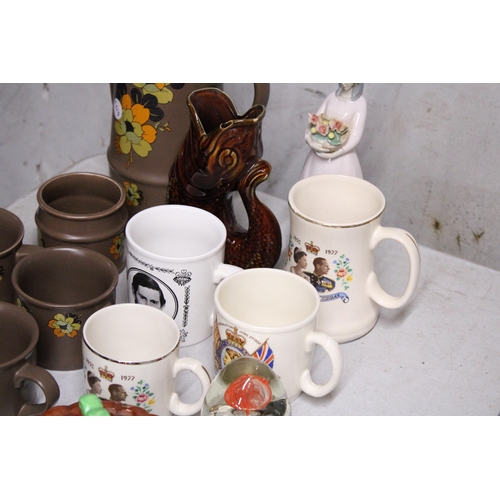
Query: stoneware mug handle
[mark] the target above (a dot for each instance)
(332, 349)
(374, 289)
(176, 405)
(44, 380)
(25, 250)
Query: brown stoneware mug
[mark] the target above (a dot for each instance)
(61, 287)
(11, 239)
(12, 250)
(18, 339)
(84, 209)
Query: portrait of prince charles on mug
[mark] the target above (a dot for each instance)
(146, 290)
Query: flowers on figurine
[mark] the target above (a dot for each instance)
(323, 128)
(65, 325)
(116, 249)
(314, 119)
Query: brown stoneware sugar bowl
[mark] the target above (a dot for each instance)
(84, 209)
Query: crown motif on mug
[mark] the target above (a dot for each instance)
(106, 374)
(312, 248)
(234, 338)
(183, 277)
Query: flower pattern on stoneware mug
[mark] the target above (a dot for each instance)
(65, 325)
(133, 194)
(116, 249)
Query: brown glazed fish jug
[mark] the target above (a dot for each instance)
(149, 123)
(221, 155)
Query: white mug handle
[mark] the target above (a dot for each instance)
(222, 271)
(225, 270)
(176, 405)
(374, 289)
(332, 348)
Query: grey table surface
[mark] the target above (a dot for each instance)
(437, 356)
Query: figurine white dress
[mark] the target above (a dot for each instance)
(334, 132)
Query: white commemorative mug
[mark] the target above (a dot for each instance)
(335, 225)
(271, 315)
(132, 351)
(175, 259)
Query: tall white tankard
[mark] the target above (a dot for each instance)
(334, 230)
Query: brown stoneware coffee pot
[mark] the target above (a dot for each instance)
(222, 155)
(149, 123)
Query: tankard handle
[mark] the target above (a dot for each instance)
(375, 291)
(332, 349)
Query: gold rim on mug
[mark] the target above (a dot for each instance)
(116, 307)
(320, 182)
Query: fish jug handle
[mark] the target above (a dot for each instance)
(261, 93)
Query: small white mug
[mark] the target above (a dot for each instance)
(334, 229)
(175, 258)
(271, 314)
(131, 355)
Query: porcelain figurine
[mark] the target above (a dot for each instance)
(222, 155)
(334, 132)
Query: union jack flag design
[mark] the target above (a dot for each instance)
(265, 353)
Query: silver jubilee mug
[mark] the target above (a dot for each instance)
(133, 350)
(335, 226)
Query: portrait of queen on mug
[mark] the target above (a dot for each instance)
(149, 290)
(323, 274)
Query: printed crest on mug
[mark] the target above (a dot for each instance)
(231, 343)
